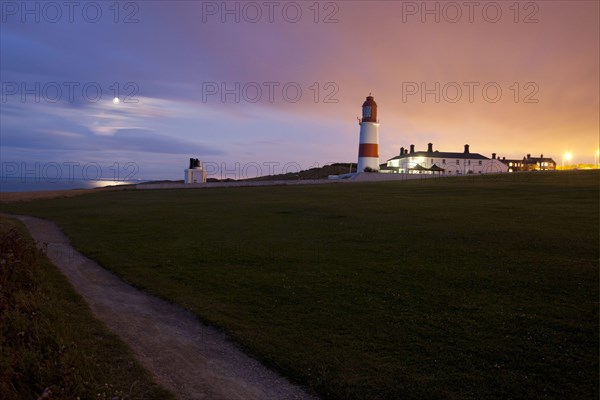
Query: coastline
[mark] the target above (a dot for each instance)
(12, 197)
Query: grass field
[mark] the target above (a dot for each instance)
(50, 344)
(460, 288)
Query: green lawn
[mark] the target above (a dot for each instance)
(461, 288)
(50, 343)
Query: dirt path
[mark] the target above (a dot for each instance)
(191, 359)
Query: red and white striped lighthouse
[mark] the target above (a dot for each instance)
(368, 147)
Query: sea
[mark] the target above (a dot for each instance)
(17, 184)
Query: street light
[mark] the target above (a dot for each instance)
(566, 157)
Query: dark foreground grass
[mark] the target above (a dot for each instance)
(476, 287)
(51, 346)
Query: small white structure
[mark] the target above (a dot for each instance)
(195, 173)
(368, 147)
(444, 163)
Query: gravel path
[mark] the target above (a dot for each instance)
(191, 359)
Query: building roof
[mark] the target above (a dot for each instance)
(419, 167)
(441, 154)
(530, 160)
(506, 160)
(533, 160)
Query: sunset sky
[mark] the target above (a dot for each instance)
(170, 60)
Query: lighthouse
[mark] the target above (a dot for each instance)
(195, 173)
(368, 147)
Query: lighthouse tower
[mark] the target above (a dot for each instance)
(368, 147)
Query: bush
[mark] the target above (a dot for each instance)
(369, 169)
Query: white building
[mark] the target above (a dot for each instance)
(195, 173)
(443, 163)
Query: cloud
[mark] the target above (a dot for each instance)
(100, 127)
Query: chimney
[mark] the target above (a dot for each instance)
(401, 150)
(541, 156)
(466, 149)
(503, 158)
(412, 148)
(493, 156)
(528, 156)
(430, 147)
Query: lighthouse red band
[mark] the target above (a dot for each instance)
(368, 147)
(368, 150)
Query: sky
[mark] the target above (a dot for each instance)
(133, 89)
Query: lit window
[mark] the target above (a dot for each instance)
(510, 164)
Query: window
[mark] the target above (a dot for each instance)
(457, 162)
(510, 164)
(479, 162)
(444, 161)
(469, 162)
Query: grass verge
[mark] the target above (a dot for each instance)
(456, 288)
(51, 346)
